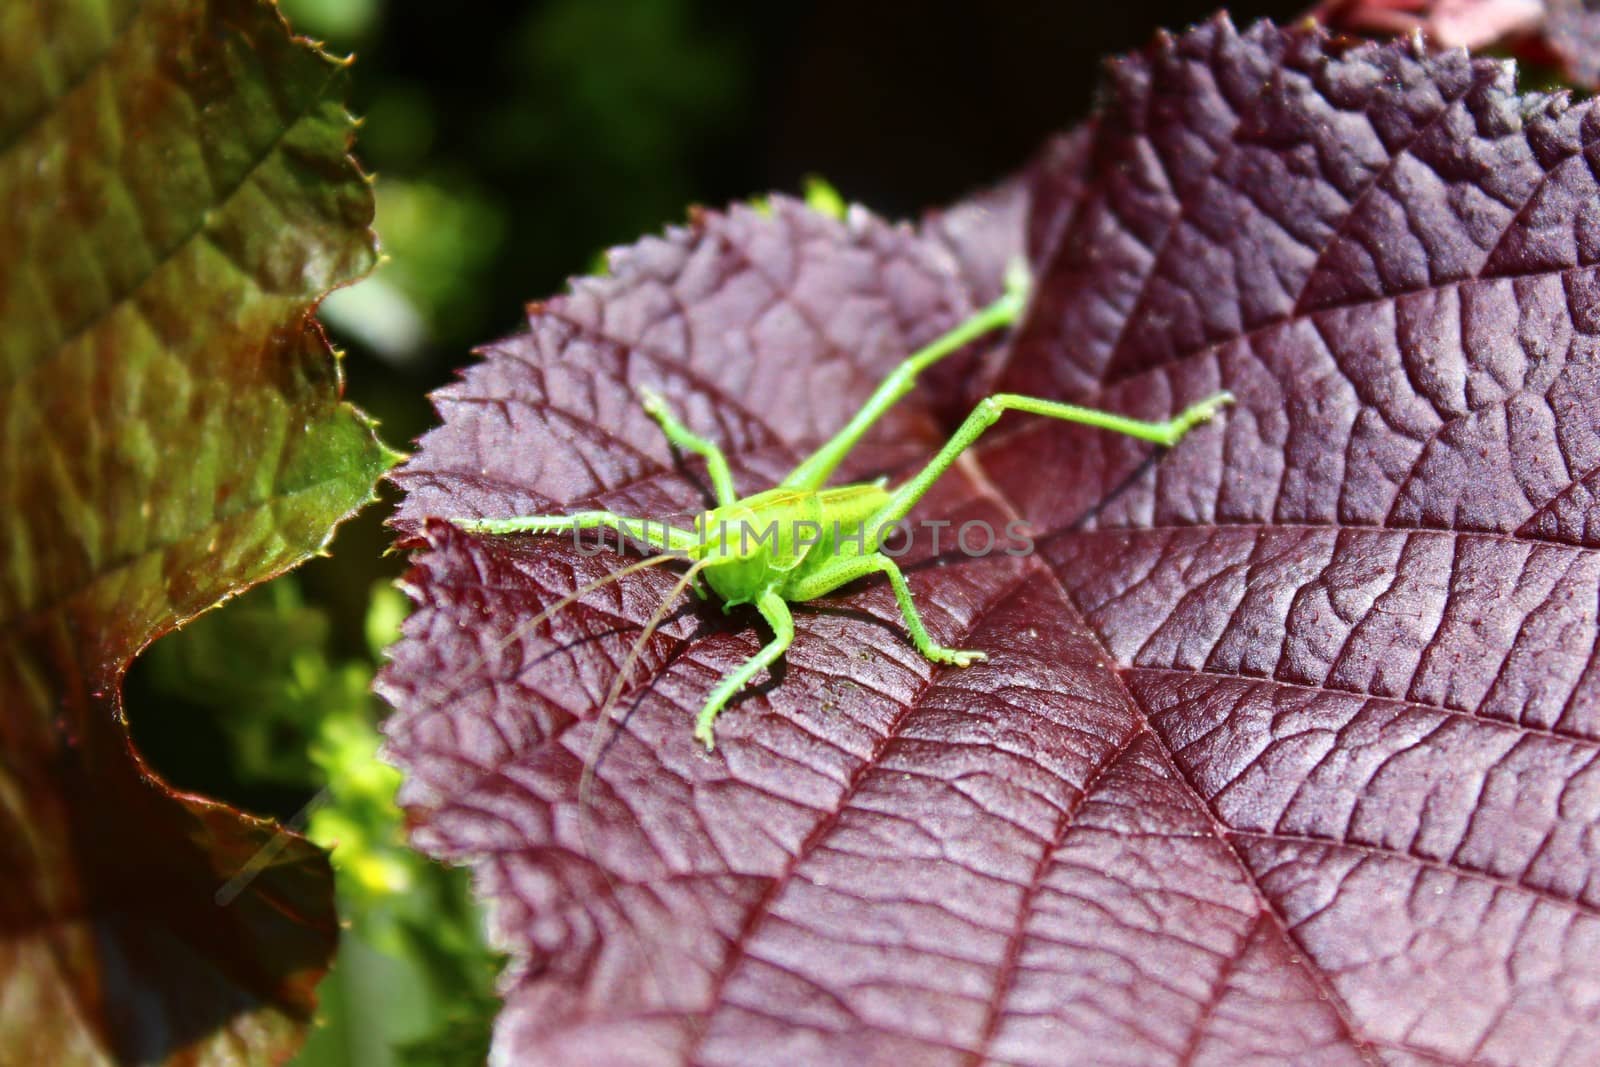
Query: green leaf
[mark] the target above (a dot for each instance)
(177, 196)
(413, 978)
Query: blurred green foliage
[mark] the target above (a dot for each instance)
(439, 242)
(508, 149)
(413, 982)
(335, 20)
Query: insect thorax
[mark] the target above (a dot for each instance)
(771, 538)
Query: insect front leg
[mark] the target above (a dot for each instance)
(775, 610)
(845, 569)
(654, 534)
(686, 439)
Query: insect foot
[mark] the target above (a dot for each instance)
(956, 657)
(1195, 415)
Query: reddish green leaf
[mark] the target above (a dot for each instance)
(1285, 751)
(177, 193)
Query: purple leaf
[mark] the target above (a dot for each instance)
(1285, 749)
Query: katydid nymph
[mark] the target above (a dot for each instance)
(802, 539)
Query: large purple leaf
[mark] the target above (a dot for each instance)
(1285, 749)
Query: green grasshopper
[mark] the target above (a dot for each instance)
(802, 540)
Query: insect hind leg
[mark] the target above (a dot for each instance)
(815, 469)
(1166, 433)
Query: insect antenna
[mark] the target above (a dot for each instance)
(605, 727)
(523, 629)
(650, 628)
(586, 781)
